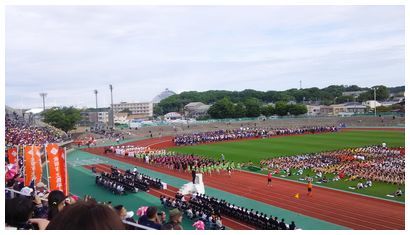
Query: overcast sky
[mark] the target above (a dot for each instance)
(70, 51)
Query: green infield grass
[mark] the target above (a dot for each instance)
(257, 149)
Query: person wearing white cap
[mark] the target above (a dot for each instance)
(41, 189)
(26, 191)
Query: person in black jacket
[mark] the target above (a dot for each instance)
(275, 223)
(282, 225)
(292, 225)
(193, 176)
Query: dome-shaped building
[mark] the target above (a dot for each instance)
(165, 94)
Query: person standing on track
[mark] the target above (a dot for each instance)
(270, 179)
(193, 175)
(309, 188)
(229, 171)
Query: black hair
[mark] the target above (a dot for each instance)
(55, 197)
(18, 210)
(118, 207)
(151, 212)
(86, 216)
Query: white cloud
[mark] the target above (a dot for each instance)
(70, 51)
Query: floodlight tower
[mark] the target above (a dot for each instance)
(44, 95)
(96, 99)
(112, 109)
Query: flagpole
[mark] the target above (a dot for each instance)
(33, 173)
(46, 157)
(66, 171)
(24, 163)
(17, 157)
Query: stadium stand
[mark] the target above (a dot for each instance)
(173, 129)
(19, 132)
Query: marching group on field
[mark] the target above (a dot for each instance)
(374, 163)
(246, 132)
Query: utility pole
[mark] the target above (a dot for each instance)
(44, 95)
(112, 110)
(375, 101)
(96, 100)
(300, 85)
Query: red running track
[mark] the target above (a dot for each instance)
(170, 192)
(346, 209)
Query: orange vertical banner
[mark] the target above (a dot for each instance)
(54, 167)
(63, 170)
(38, 170)
(32, 164)
(29, 164)
(12, 155)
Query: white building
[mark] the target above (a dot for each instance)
(372, 103)
(172, 116)
(121, 118)
(313, 110)
(142, 108)
(102, 117)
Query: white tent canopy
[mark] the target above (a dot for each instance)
(34, 110)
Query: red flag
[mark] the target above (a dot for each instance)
(12, 155)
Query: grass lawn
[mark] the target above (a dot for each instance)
(378, 189)
(258, 149)
(255, 150)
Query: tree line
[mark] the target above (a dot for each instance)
(325, 96)
(252, 107)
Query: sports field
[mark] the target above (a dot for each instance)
(257, 149)
(327, 209)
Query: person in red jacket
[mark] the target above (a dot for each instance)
(309, 187)
(269, 178)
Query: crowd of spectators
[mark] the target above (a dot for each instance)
(19, 132)
(107, 133)
(34, 207)
(246, 132)
(375, 163)
(61, 213)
